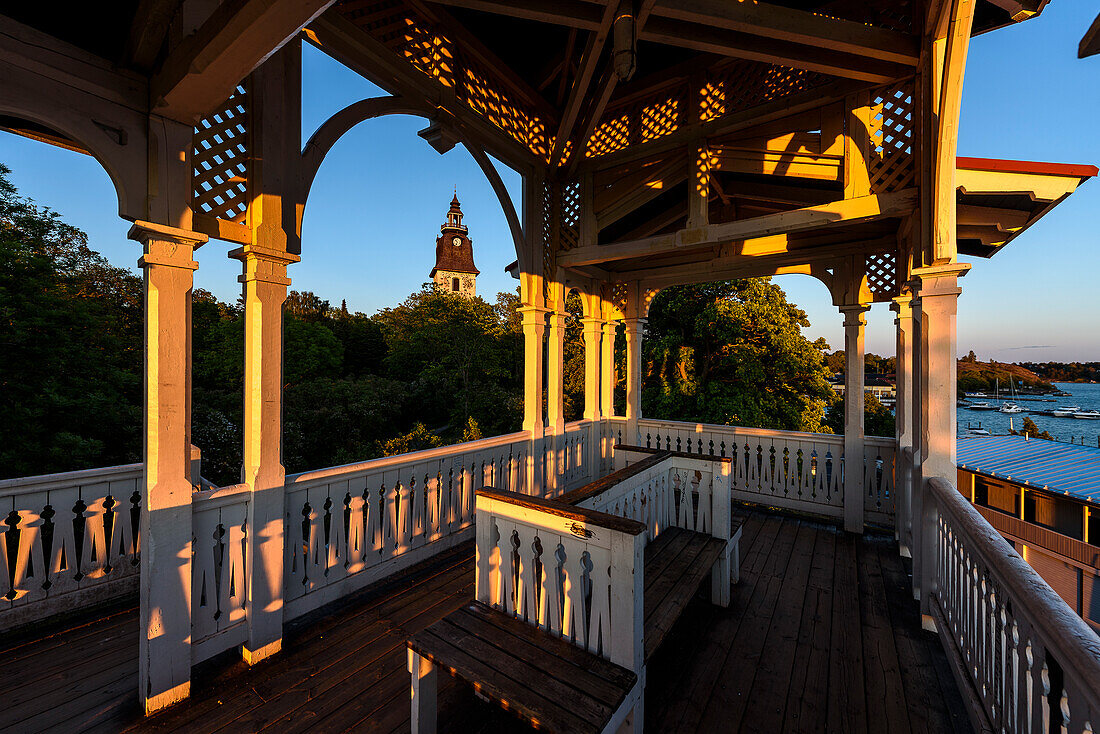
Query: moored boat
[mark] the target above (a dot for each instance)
(1010, 407)
(1087, 415)
(981, 406)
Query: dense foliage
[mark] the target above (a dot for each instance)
(732, 352)
(1065, 372)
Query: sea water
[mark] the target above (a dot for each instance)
(1085, 395)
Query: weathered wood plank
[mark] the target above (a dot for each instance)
(881, 675)
(846, 704)
(810, 681)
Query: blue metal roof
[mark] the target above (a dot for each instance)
(1058, 467)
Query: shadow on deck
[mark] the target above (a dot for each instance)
(821, 635)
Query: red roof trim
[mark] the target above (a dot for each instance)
(1035, 167)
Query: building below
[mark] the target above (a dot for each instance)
(1044, 498)
(454, 269)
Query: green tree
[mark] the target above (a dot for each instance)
(1031, 429)
(878, 420)
(71, 339)
(732, 352)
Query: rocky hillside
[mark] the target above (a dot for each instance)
(975, 376)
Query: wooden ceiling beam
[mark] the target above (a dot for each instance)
(838, 213)
(339, 38)
(571, 13)
(202, 71)
(590, 59)
(147, 31)
(685, 34)
(778, 23)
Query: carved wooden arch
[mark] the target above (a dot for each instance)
(335, 127)
(120, 148)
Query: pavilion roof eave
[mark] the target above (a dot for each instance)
(1002, 198)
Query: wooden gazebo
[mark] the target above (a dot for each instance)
(659, 143)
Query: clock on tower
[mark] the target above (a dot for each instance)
(454, 269)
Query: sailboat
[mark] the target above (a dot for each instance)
(1011, 406)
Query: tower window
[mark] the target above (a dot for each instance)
(454, 284)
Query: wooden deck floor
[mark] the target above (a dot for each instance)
(821, 636)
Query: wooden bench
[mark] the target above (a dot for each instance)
(549, 683)
(574, 595)
(556, 632)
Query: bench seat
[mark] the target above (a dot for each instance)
(549, 683)
(676, 563)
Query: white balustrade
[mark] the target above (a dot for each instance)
(1033, 663)
(351, 525)
(574, 573)
(218, 568)
(787, 469)
(67, 540)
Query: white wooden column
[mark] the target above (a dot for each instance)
(534, 329)
(593, 337)
(903, 412)
(634, 328)
(855, 318)
(939, 293)
(265, 285)
(555, 397)
(607, 369)
(164, 639)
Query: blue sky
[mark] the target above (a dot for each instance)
(379, 198)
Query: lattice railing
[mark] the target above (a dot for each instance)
(219, 160)
(892, 165)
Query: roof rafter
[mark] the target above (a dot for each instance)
(202, 71)
(837, 213)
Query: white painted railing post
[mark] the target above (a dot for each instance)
(555, 399)
(938, 293)
(164, 642)
(855, 318)
(265, 285)
(593, 333)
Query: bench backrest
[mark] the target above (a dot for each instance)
(663, 489)
(573, 572)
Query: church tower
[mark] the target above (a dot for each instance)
(454, 269)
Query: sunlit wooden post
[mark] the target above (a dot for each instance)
(855, 319)
(593, 334)
(265, 288)
(555, 397)
(939, 292)
(534, 329)
(164, 642)
(633, 326)
(903, 411)
(607, 379)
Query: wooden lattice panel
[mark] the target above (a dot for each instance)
(428, 48)
(484, 97)
(549, 255)
(608, 137)
(712, 101)
(659, 119)
(219, 161)
(892, 165)
(570, 212)
(429, 51)
(619, 296)
(733, 87)
(882, 275)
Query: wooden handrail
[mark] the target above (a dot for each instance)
(569, 512)
(600, 485)
(1074, 645)
(42, 482)
(322, 475)
(674, 454)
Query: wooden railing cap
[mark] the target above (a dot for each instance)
(561, 509)
(675, 454)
